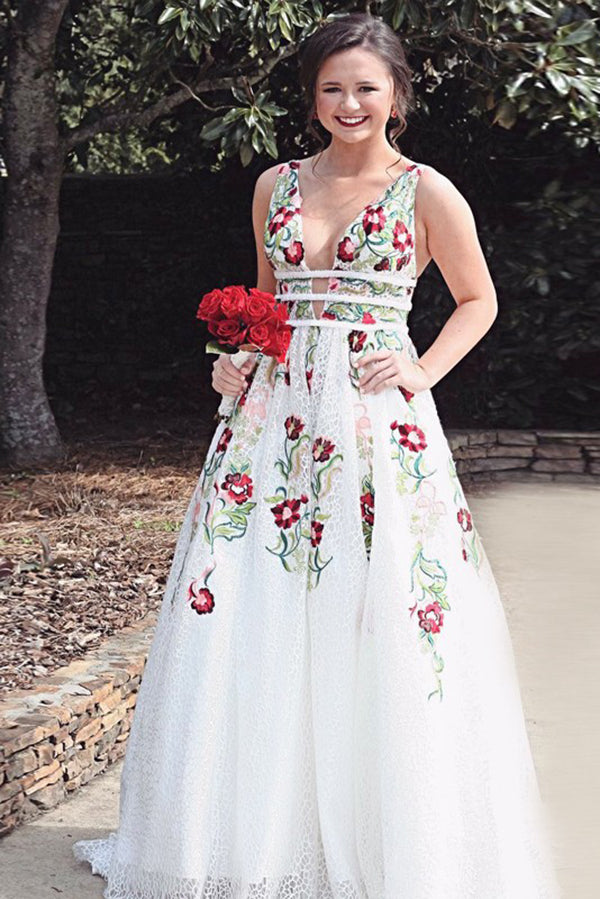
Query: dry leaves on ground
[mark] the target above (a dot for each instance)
(85, 549)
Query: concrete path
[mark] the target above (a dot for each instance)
(543, 541)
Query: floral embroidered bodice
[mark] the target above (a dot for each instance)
(374, 257)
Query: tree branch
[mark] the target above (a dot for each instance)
(125, 118)
(40, 20)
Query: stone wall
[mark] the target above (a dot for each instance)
(542, 455)
(55, 737)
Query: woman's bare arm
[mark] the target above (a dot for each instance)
(454, 245)
(226, 378)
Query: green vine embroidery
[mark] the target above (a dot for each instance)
(294, 439)
(227, 514)
(470, 539)
(429, 579)
(409, 442)
(290, 518)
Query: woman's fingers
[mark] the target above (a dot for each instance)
(228, 378)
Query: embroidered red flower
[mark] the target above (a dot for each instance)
(224, 440)
(295, 252)
(410, 436)
(238, 487)
(464, 555)
(401, 237)
(383, 265)
(280, 218)
(294, 164)
(329, 315)
(287, 512)
(316, 532)
(406, 393)
(431, 618)
(322, 449)
(203, 600)
(368, 319)
(464, 519)
(293, 426)
(356, 339)
(309, 374)
(346, 250)
(374, 219)
(367, 507)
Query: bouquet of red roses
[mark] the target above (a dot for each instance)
(244, 322)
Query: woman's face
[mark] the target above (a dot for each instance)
(354, 94)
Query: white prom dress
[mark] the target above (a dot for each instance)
(330, 707)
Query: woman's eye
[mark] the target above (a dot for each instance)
(365, 87)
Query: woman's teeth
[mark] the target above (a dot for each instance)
(352, 121)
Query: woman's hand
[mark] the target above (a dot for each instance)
(227, 378)
(391, 368)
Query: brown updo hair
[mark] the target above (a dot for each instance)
(357, 30)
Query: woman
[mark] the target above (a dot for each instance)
(330, 707)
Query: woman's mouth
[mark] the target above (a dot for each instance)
(351, 121)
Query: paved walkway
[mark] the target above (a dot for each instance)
(543, 543)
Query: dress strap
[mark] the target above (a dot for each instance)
(397, 278)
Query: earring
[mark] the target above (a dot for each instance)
(394, 114)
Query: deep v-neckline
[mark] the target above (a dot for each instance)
(376, 202)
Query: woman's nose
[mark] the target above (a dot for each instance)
(350, 103)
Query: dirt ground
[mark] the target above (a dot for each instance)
(85, 548)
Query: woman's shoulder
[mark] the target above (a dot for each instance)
(265, 182)
(438, 194)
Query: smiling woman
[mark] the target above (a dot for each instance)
(330, 708)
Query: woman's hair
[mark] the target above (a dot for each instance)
(357, 30)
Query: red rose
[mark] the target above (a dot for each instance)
(229, 331)
(234, 301)
(210, 305)
(257, 309)
(259, 335)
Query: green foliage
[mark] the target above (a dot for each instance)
(519, 64)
